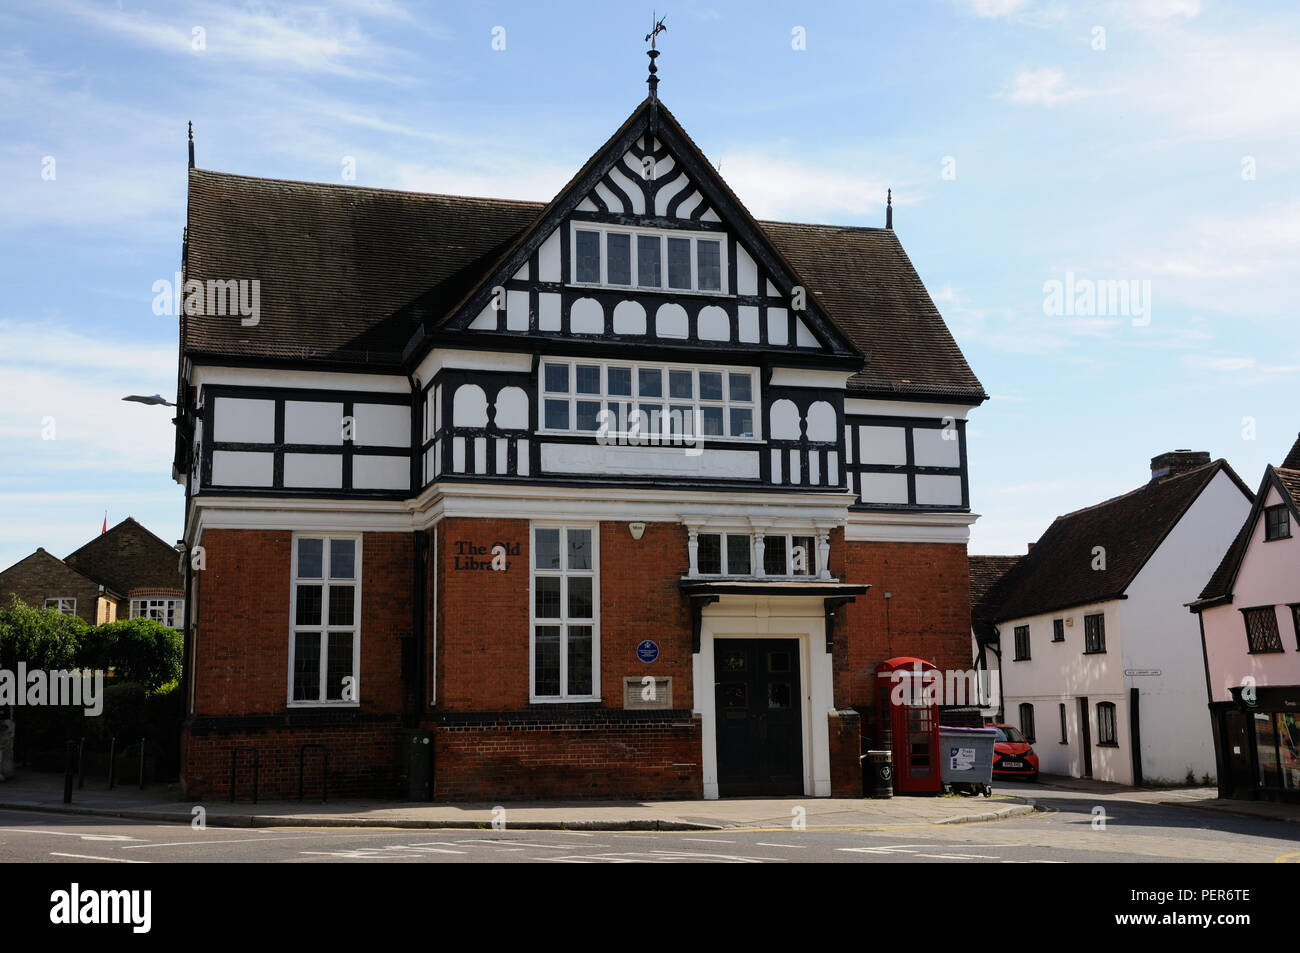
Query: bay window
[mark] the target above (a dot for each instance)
(714, 402)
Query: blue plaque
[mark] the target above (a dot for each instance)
(647, 651)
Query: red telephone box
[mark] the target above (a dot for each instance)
(908, 705)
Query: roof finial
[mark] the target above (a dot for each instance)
(889, 208)
(653, 53)
(191, 144)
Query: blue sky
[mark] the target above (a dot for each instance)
(1148, 140)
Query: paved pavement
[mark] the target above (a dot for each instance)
(45, 792)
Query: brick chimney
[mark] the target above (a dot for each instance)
(1175, 462)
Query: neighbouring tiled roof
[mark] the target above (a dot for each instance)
(129, 557)
(1057, 572)
(985, 571)
(1219, 583)
(1290, 479)
(1292, 460)
(336, 263)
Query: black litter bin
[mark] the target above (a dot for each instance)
(878, 778)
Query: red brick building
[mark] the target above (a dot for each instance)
(621, 495)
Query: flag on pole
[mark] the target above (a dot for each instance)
(105, 527)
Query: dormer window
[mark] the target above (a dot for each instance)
(610, 257)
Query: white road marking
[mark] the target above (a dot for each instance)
(205, 843)
(116, 860)
(111, 837)
(706, 840)
(788, 846)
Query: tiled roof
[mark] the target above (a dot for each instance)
(1058, 573)
(129, 557)
(337, 263)
(985, 571)
(1292, 460)
(1290, 479)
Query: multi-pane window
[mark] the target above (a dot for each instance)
(566, 639)
(325, 611)
(1027, 721)
(1061, 711)
(1022, 643)
(734, 554)
(789, 555)
(641, 401)
(1277, 523)
(1261, 630)
(1058, 630)
(1094, 633)
(1106, 724)
(62, 605)
(170, 612)
(657, 260)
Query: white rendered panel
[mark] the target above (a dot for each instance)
(938, 489)
(382, 425)
(380, 473)
(321, 471)
(240, 420)
(882, 445)
(236, 468)
(930, 449)
(884, 488)
(313, 421)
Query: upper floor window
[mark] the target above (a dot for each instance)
(737, 554)
(1277, 523)
(1261, 630)
(170, 612)
(580, 396)
(565, 634)
(1094, 633)
(325, 617)
(1022, 643)
(1058, 630)
(62, 606)
(658, 261)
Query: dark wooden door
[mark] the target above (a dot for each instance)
(759, 737)
(1085, 737)
(1240, 781)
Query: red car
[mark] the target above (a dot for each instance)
(1013, 757)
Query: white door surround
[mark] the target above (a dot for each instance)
(802, 618)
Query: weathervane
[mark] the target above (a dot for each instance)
(653, 52)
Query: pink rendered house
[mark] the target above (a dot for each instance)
(1250, 634)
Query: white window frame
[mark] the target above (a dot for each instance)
(663, 404)
(57, 603)
(663, 235)
(563, 573)
(788, 535)
(144, 606)
(324, 628)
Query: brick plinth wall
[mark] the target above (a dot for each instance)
(362, 757)
(597, 754)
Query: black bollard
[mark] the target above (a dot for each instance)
(67, 773)
(81, 764)
(112, 762)
(141, 764)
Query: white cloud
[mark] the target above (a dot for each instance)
(996, 8)
(788, 190)
(1045, 87)
(1164, 9)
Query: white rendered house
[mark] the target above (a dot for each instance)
(1100, 664)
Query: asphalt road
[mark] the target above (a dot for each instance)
(1067, 828)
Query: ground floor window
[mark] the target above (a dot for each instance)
(62, 606)
(170, 612)
(1061, 708)
(1027, 721)
(1106, 724)
(325, 610)
(565, 629)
